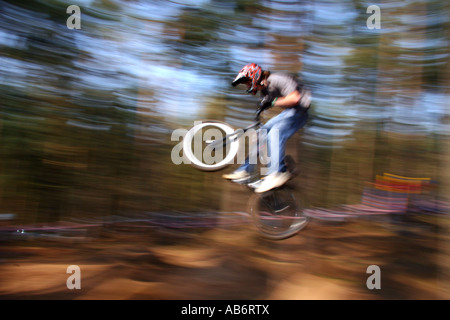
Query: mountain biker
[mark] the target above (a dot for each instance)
(281, 91)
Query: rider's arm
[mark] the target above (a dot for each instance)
(289, 101)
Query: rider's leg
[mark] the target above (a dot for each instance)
(248, 167)
(289, 121)
(279, 134)
(245, 170)
(278, 130)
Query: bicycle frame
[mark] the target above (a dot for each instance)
(237, 134)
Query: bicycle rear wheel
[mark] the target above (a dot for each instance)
(277, 214)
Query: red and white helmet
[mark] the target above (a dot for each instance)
(251, 72)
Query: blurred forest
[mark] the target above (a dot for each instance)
(86, 115)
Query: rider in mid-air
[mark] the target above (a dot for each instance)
(277, 90)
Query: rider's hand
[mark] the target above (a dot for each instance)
(265, 103)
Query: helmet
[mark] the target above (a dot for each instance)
(250, 72)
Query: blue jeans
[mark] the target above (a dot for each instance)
(279, 129)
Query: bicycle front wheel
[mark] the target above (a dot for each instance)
(277, 214)
(210, 145)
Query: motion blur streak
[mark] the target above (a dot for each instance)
(86, 117)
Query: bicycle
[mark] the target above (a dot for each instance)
(277, 214)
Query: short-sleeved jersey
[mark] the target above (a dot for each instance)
(281, 85)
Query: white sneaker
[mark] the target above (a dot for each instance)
(272, 181)
(237, 175)
(255, 184)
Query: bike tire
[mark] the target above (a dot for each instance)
(277, 214)
(196, 159)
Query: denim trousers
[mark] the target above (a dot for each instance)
(278, 130)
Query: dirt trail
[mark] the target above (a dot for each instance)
(325, 261)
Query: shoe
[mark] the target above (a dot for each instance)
(272, 181)
(237, 175)
(255, 184)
